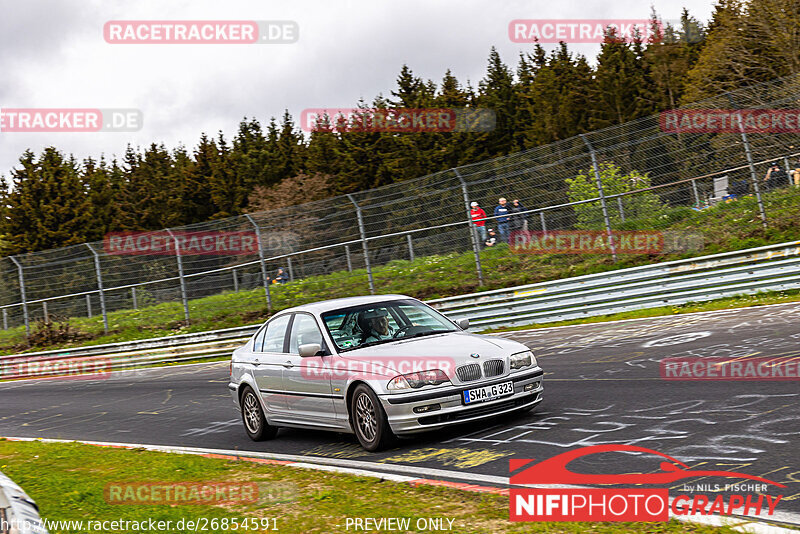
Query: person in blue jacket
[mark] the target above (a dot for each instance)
(502, 211)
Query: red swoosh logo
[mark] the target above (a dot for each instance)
(554, 470)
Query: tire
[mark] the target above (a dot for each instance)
(255, 424)
(369, 420)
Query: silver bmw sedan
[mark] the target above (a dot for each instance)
(380, 367)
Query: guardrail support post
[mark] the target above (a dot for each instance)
(22, 294)
(410, 247)
(749, 154)
(133, 295)
(788, 171)
(476, 251)
(44, 312)
(179, 259)
(235, 281)
(363, 243)
(544, 224)
(5, 319)
(602, 197)
(264, 277)
(347, 255)
(621, 209)
(100, 286)
(696, 194)
(89, 306)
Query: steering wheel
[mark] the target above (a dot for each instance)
(402, 329)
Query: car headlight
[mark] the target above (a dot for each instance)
(522, 359)
(432, 377)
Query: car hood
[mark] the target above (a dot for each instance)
(453, 348)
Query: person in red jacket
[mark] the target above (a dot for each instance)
(478, 217)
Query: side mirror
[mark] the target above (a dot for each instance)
(463, 323)
(309, 349)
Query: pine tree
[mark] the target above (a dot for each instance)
(48, 206)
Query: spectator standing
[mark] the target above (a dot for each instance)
(519, 219)
(796, 175)
(502, 212)
(478, 217)
(775, 178)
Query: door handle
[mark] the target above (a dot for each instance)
(288, 364)
(256, 363)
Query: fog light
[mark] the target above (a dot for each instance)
(427, 408)
(531, 386)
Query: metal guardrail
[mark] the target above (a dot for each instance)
(770, 268)
(18, 513)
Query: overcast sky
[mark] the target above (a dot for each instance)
(53, 55)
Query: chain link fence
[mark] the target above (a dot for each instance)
(637, 175)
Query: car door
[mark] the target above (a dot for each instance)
(268, 358)
(306, 380)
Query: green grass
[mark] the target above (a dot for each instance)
(67, 481)
(727, 227)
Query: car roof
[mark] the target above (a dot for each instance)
(345, 302)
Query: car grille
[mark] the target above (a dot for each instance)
(468, 373)
(493, 368)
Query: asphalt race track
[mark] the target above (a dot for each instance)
(602, 385)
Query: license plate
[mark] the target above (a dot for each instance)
(486, 393)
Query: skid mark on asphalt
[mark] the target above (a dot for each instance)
(216, 427)
(459, 458)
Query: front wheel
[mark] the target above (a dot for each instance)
(253, 417)
(369, 420)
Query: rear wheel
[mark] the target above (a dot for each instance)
(369, 420)
(255, 424)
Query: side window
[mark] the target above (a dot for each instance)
(259, 340)
(304, 331)
(275, 334)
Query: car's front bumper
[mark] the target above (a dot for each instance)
(404, 420)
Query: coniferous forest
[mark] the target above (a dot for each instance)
(51, 200)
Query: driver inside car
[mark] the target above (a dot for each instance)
(374, 325)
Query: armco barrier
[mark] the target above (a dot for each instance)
(18, 513)
(770, 268)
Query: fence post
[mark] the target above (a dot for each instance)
(544, 224)
(410, 247)
(696, 194)
(749, 154)
(788, 171)
(347, 255)
(179, 259)
(100, 286)
(133, 295)
(261, 260)
(22, 294)
(89, 306)
(5, 319)
(363, 243)
(44, 312)
(476, 251)
(602, 197)
(235, 281)
(290, 268)
(621, 209)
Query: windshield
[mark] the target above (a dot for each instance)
(382, 322)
